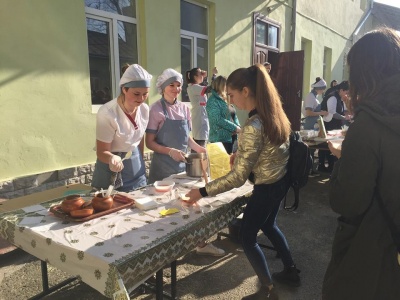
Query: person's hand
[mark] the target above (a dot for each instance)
(215, 71)
(177, 155)
(335, 149)
(238, 130)
(232, 159)
(201, 150)
(323, 113)
(115, 164)
(194, 195)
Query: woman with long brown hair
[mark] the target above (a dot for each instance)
(262, 156)
(365, 179)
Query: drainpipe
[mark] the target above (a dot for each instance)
(362, 21)
(294, 14)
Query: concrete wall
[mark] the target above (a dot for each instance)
(46, 121)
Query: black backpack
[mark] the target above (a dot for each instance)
(298, 167)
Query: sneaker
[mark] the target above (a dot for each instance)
(263, 294)
(210, 249)
(289, 276)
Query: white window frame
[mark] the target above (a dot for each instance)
(112, 19)
(193, 36)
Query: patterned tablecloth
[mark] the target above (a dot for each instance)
(115, 253)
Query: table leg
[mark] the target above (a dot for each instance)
(159, 285)
(45, 278)
(173, 279)
(45, 283)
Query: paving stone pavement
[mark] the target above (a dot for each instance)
(309, 232)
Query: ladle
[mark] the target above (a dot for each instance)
(114, 176)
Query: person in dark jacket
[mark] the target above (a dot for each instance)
(364, 263)
(334, 104)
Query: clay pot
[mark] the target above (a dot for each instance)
(72, 202)
(101, 203)
(81, 213)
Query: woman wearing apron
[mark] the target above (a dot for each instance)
(312, 107)
(167, 134)
(120, 127)
(312, 110)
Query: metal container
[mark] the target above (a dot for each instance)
(194, 164)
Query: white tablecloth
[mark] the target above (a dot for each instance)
(117, 252)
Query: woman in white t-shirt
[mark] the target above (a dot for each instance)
(312, 107)
(120, 127)
(198, 98)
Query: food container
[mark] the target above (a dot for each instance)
(72, 202)
(101, 203)
(195, 163)
(183, 197)
(164, 186)
(81, 213)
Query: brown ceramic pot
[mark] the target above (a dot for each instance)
(81, 213)
(72, 202)
(101, 203)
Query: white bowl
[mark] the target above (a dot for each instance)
(164, 186)
(183, 197)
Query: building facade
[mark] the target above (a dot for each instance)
(60, 60)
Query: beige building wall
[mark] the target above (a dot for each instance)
(47, 122)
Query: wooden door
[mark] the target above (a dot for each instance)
(287, 74)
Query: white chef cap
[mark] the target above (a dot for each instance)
(166, 78)
(135, 76)
(319, 84)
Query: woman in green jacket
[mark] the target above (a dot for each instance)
(224, 124)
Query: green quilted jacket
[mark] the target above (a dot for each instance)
(219, 118)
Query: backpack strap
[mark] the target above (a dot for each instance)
(293, 136)
(295, 204)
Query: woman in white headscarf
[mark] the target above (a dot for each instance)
(167, 133)
(120, 127)
(312, 107)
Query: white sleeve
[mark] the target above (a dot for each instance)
(331, 106)
(309, 102)
(105, 128)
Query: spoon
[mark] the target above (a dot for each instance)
(127, 155)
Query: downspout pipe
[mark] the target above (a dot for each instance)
(294, 15)
(363, 21)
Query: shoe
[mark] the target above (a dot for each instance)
(210, 249)
(263, 294)
(289, 276)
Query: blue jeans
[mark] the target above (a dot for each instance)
(260, 213)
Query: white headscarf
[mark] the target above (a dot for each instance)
(167, 76)
(135, 76)
(319, 84)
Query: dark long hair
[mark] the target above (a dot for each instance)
(372, 58)
(189, 75)
(268, 103)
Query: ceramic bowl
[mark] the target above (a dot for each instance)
(72, 202)
(164, 186)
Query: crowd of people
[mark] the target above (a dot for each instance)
(364, 263)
